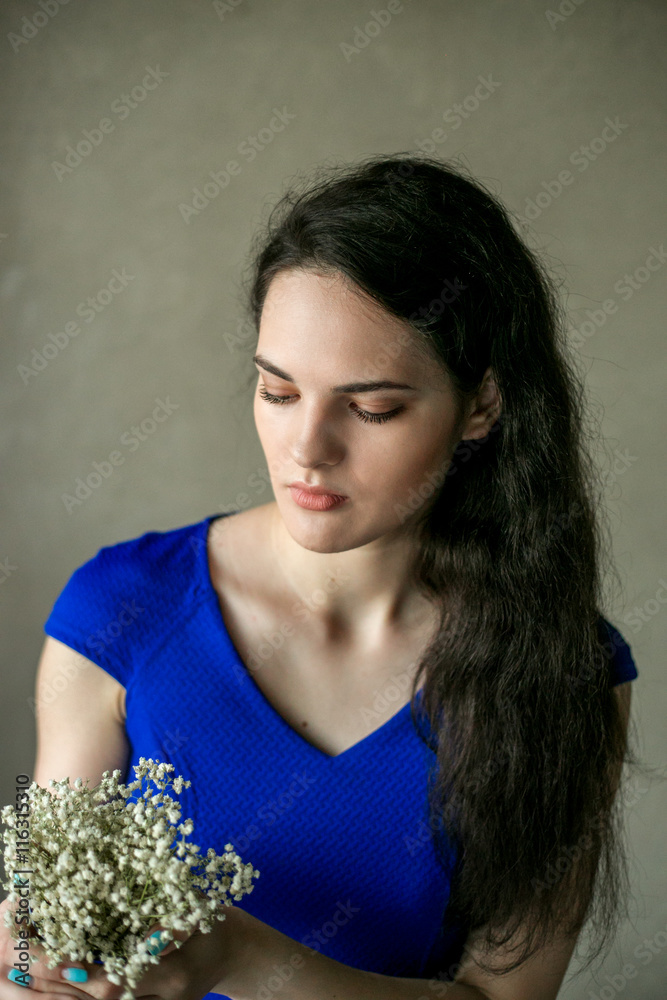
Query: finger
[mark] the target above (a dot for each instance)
(97, 988)
(7, 953)
(62, 989)
(57, 996)
(158, 944)
(30, 951)
(78, 977)
(11, 980)
(68, 970)
(41, 996)
(11, 990)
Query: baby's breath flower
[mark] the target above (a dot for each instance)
(102, 869)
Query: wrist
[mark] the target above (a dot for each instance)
(238, 940)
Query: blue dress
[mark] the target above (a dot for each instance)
(342, 843)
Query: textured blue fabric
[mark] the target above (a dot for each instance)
(342, 843)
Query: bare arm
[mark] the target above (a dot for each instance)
(261, 957)
(80, 717)
(80, 731)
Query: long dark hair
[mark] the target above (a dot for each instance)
(509, 544)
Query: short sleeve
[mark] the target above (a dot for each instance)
(117, 608)
(622, 666)
(98, 613)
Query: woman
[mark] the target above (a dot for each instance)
(392, 687)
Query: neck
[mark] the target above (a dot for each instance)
(361, 593)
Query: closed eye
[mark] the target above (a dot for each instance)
(376, 418)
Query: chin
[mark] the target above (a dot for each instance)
(319, 537)
(320, 532)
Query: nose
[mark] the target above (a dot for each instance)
(315, 440)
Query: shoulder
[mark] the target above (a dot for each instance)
(125, 593)
(152, 561)
(618, 654)
(240, 551)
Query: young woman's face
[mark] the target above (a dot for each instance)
(381, 449)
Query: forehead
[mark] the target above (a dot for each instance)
(316, 322)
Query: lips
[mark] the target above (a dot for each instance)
(316, 490)
(315, 498)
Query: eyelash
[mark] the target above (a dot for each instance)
(375, 418)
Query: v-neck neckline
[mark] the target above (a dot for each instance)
(260, 698)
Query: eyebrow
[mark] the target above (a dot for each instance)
(348, 387)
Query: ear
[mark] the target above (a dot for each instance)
(484, 410)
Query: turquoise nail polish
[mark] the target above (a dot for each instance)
(20, 978)
(155, 947)
(74, 975)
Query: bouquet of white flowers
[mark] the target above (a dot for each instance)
(101, 871)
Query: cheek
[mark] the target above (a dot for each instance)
(265, 426)
(263, 429)
(271, 434)
(411, 453)
(257, 414)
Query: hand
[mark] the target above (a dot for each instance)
(187, 970)
(10, 990)
(165, 980)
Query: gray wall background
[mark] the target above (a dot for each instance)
(175, 331)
